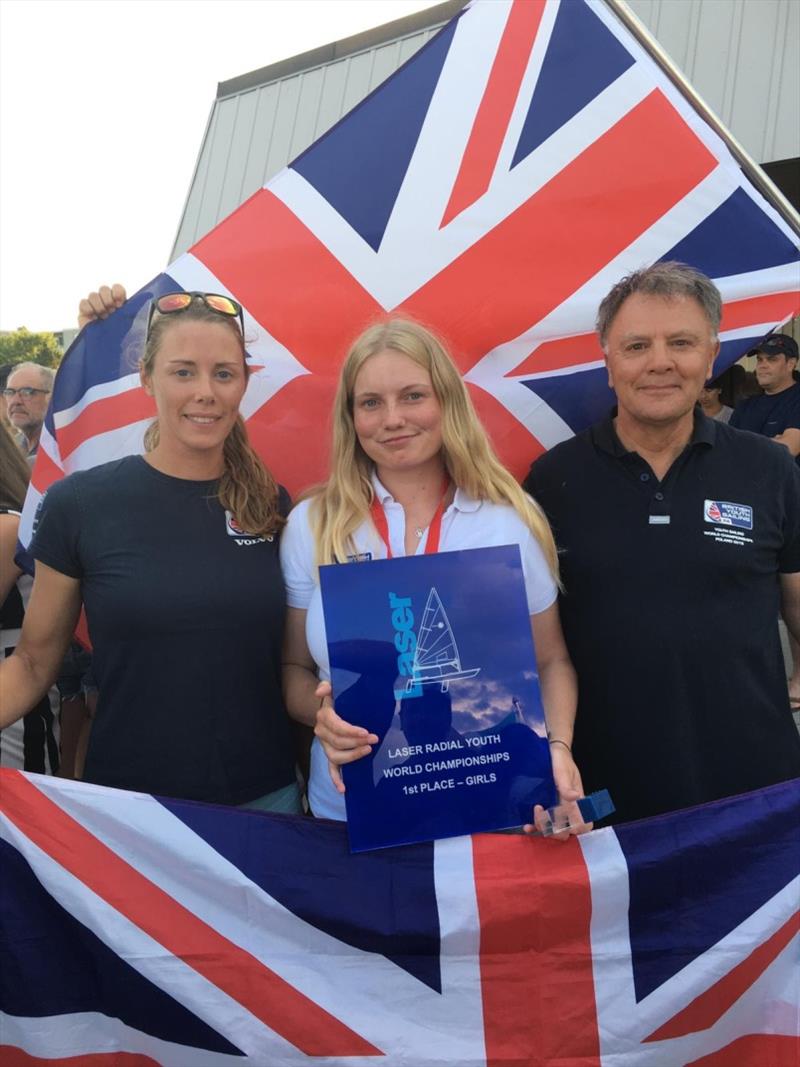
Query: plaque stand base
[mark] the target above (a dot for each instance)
(572, 816)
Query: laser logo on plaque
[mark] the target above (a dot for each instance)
(450, 690)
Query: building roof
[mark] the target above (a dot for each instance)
(739, 55)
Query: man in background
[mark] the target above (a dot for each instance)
(677, 535)
(776, 413)
(27, 394)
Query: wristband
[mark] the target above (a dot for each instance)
(557, 741)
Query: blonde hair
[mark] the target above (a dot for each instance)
(341, 505)
(246, 488)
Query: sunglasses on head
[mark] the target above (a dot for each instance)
(171, 303)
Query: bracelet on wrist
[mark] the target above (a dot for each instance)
(558, 741)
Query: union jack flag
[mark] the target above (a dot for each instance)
(495, 187)
(138, 931)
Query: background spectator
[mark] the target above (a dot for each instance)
(711, 402)
(27, 394)
(31, 744)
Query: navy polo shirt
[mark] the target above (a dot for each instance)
(670, 606)
(769, 415)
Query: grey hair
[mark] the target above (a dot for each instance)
(668, 280)
(47, 373)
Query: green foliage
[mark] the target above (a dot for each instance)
(22, 345)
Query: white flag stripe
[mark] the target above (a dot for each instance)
(617, 1007)
(526, 406)
(439, 151)
(89, 1033)
(528, 87)
(781, 279)
(145, 955)
(459, 922)
(65, 416)
(576, 315)
(193, 873)
(125, 440)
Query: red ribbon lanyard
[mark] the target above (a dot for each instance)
(434, 530)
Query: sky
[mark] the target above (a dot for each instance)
(103, 107)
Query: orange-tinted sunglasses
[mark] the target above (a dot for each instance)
(170, 303)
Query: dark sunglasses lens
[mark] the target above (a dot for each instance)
(173, 302)
(223, 304)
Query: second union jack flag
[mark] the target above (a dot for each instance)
(136, 931)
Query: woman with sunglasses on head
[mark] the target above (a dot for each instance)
(174, 555)
(412, 472)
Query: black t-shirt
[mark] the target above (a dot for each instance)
(769, 415)
(186, 618)
(670, 613)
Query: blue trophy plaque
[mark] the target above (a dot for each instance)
(434, 655)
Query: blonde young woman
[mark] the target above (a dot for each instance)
(174, 555)
(412, 471)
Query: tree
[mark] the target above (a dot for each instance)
(22, 345)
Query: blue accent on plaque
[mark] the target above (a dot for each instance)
(434, 655)
(596, 806)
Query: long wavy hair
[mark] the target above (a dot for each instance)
(14, 473)
(247, 489)
(341, 505)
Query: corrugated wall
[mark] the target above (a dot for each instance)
(252, 134)
(740, 55)
(743, 58)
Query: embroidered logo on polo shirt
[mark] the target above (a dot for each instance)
(233, 529)
(723, 513)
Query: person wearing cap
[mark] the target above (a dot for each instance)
(776, 412)
(678, 538)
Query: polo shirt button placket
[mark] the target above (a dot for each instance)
(658, 513)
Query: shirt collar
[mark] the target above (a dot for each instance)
(461, 501)
(604, 436)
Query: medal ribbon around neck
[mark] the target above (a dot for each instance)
(434, 529)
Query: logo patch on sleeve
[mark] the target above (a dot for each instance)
(723, 513)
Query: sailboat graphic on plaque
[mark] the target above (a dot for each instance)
(437, 658)
(434, 655)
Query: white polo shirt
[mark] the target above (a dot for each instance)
(466, 523)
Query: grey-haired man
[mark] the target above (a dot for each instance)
(27, 394)
(678, 536)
